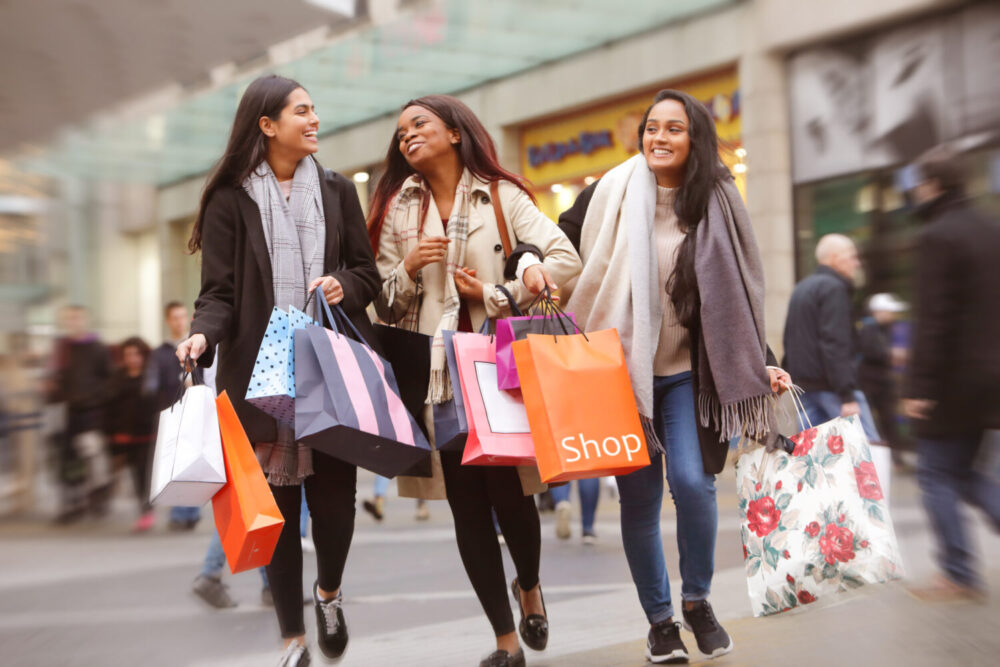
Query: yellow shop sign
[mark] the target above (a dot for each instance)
(591, 141)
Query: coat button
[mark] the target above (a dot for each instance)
(497, 248)
(485, 200)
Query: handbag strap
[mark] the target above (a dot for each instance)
(501, 221)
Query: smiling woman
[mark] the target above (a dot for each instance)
(274, 225)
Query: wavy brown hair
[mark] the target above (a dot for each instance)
(475, 148)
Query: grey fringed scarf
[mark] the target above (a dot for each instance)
(620, 283)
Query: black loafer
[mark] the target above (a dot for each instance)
(503, 659)
(535, 628)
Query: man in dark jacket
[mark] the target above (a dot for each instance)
(820, 347)
(953, 388)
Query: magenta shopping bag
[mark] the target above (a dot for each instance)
(545, 320)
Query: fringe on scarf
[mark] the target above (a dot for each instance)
(653, 444)
(748, 417)
(439, 390)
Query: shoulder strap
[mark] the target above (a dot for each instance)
(501, 221)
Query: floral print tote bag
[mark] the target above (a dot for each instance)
(814, 522)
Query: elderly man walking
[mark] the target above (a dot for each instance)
(820, 347)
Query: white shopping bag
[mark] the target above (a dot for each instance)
(188, 468)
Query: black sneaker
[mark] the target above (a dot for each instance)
(330, 625)
(212, 591)
(712, 639)
(664, 645)
(296, 655)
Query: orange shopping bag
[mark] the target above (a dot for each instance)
(580, 405)
(246, 516)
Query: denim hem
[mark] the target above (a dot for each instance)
(661, 616)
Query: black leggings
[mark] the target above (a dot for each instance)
(136, 457)
(330, 497)
(472, 492)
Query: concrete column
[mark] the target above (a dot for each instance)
(769, 179)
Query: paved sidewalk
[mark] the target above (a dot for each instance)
(96, 595)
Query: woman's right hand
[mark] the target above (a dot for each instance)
(192, 347)
(430, 249)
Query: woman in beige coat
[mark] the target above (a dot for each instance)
(441, 257)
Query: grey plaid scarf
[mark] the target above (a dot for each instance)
(406, 217)
(295, 230)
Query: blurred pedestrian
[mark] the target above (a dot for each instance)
(164, 381)
(821, 345)
(645, 274)
(273, 225)
(440, 257)
(589, 491)
(79, 381)
(376, 506)
(953, 388)
(878, 359)
(131, 417)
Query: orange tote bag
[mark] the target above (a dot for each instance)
(246, 516)
(580, 405)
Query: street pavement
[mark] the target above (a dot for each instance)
(95, 594)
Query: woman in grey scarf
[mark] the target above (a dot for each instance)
(273, 226)
(670, 261)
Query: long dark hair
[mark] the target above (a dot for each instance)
(701, 172)
(475, 148)
(247, 147)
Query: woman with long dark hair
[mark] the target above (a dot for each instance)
(130, 415)
(273, 226)
(667, 232)
(441, 257)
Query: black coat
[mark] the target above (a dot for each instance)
(955, 358)
(713, 450)
(819, 334)
(237, 294)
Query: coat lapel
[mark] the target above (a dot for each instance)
(255, 232)
(331, 212)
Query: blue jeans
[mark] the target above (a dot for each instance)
(822, 406)
(381, 486)
(185, 513)
(590, 493)
(215, 560)
(946, 475)
(693, 493)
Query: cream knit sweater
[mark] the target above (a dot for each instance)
(673, 350)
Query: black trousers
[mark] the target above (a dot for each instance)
(473, 491)
(136, 457)
(330, 492)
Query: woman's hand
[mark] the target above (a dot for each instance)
(537, 277)
(469, 287)
(332, 289)
(780, 379)
(430, 249)
(192, 347)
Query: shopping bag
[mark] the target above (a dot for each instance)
(546, 320)
(348, 403)
(188, 467)
(499, 433)
(451, 428)
(246, 514)
(272, 382)
(409, 355)
(580, 405)
(811, 522)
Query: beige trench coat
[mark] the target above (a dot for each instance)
(484, 252)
